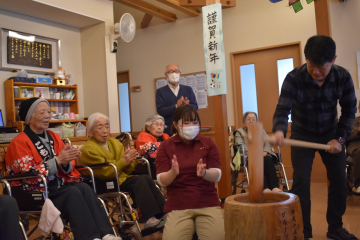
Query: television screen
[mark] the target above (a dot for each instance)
(1, 119)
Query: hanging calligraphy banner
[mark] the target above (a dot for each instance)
(214, 49)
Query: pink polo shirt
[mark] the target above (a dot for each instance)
(188, 191)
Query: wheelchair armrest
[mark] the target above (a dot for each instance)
(98, 165)
(90, 168)
(7, 184)
(22, 176)
(146, 162)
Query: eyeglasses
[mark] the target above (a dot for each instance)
(159, 125)
(173, 71)
(251, 119)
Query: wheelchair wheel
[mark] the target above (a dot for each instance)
(131, 235)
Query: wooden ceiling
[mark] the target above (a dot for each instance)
(192, 8)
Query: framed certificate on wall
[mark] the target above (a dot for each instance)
(33, 53)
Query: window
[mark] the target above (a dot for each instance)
(124, 106)
(284, 66)
(248, 88)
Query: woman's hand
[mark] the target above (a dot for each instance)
(201, 168)
(67, 154)
(265, 153)
(174, 166)
(129, 155)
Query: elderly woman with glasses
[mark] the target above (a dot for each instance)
(148, 142)
(100, 148)
(271, 182)
(38, 150)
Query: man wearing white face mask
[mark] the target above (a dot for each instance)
(172, 96)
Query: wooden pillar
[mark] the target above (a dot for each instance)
(322, 16)
(323, 25)
(222, 137)
(222, 141)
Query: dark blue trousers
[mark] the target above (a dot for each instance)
(302, 161)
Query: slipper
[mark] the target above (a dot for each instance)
(161, 223)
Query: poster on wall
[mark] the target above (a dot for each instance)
(214, 49)
(30, 52)
(197, 82)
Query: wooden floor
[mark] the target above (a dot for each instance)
(351, 217)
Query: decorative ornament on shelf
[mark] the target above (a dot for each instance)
(60, 78)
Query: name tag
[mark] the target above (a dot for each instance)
(110, 185)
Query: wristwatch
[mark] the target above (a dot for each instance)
(341, 140)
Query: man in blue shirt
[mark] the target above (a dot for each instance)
(172, 96)
(311, 92)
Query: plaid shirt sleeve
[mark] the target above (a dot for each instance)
(283, 108)
(347, 103)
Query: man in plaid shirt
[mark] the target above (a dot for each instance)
(311, 93)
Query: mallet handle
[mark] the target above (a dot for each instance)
(298, 143)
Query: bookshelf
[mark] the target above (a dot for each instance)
(11, 109)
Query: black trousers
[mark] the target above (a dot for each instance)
(302, 161)
(78, 203)
(147, 195)
(270, 179)
(9, 219)
(356, 158)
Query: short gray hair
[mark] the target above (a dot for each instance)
(247, 113)
(93, 119)
(171, 64)
(150, 120)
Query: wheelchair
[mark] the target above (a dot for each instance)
(244, 183)
(122, 205)
(6, 184)
(144, 168)
(30, 203)
(350, 175)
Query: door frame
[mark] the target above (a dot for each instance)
(237, 95)
(129, 86)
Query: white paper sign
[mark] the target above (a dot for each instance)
(214, 49)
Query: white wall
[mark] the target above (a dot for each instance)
(70, 47)
(251, 24)
(345, 22)
(100, 70)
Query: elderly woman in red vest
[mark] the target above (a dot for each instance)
(40, 151)
(148, 142)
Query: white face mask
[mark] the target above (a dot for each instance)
(189, 133)
(173, 77)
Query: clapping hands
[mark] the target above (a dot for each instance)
(67, 154)
(129, 155)
(201, 168)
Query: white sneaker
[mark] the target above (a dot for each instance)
(358, 190)
(111, 237)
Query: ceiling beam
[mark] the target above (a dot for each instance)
(146, 20)
(149, 9)
(194, 12)
(201, 3)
